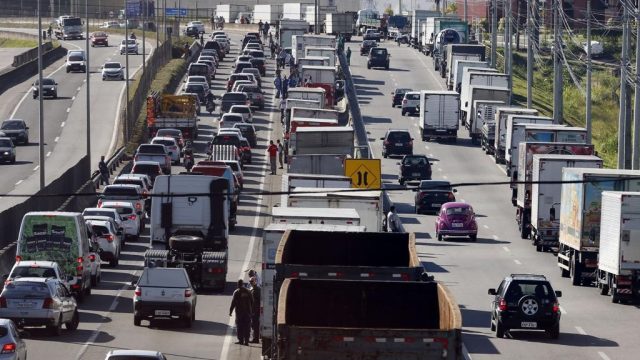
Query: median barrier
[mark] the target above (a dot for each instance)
(11, 77)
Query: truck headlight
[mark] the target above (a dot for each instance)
(6, 153)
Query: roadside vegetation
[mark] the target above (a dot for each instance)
(17, 43)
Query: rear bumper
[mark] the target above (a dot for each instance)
(24, 321)
(460, 232)
(147, 309)
(516, 322)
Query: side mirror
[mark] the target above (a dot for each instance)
(381, 138)
(455, 190)
(133, 283)
(27, 128)
(56, 83)
(491, 291)
(558, 293)
(5, 277)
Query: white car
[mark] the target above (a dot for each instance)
(95, 263)
(36, 268)
(229, 131)
(245, 110)
(198, 25)
(238, 83)
(129, 46)
(110, 25)
(128, 215)
(110, 213)
(112, 71)
(223, 41)
(227, 120)
(108, 240)
(410, 102)
(197, 79)
(171, 145)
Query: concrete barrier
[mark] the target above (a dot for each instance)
(11, 77)
(5, 34)
(31, 54)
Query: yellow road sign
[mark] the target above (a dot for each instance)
(364, 173)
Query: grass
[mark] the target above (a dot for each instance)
(17, 43)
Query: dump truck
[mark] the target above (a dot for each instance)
(502, 114)
(580, 207)
(172, 112)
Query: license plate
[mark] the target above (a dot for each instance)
(398, 144)
(163, 313)
(436, 205)
(415, 174)
(457, 225)
(25, 305)
(529, 324)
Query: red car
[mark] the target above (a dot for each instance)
(99, 38)
(456, 219)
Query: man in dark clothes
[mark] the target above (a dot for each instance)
(255, 316)
(242, 303)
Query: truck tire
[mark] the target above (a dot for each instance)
(186, 243)
(137, 320)
(575, 272)
(604, 289)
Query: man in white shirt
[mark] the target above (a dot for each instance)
(393, 222)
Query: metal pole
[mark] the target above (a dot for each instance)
(636, 105)
(88, 73)
(40, 102)
(508, 58)
(126, 69)
(530, 4)
(164, 21)
(588, 94)
(465, 11)
(622, 116)
(557, 66)
(144, 25)
(494, 33)
(315, 17)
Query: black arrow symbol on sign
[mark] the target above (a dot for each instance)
(362, 178)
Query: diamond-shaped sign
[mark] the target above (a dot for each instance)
(364, 173)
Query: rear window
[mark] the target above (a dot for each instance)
(240, 110)
(399, 136)
(165, 142)
(3, 331)
(164, 278)
(146, 169)
(168, 132)
(378, 52)
(435, 185)
(99, 213)
(458, 211)
(521, 288)
(236, 77)
(118, 191)
(412, 96)
(121, 210)
(22, 290)
(99, 230)
(234, 97)
(151, 149)
(251, 89)
(130, 182)
(226, 140)
(29, 271)
(232, 118)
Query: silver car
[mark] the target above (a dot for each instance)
(13, 347)
(39, 302)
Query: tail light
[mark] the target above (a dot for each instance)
(109, 238)
(556, 307)
(47, 303)
(503, 305)
(187, 293)
(80, 267)
(92, 257)
(132, 217)
(386, 142)
(215, 270)
(8, 348)
(137, 292)
(18, 258)
(3, 302)
(99, 203)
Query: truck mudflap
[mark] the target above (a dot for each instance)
(214, 269)
(444, 133)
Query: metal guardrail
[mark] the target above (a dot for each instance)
(354, 107)
(112, 163)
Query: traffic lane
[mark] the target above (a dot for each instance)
(464, 164)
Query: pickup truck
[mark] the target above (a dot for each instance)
(154, 152)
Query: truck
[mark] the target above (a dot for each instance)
(289, 28)
(310, 115)
(453, 67)
(619, 257)
(329, 164)
(303, 93)
(191, 231)
(439, 114)
(291, 181)
(288, 215)
(271, 237)
(367, 203)
(487, 137)
(481, 116)
(326, 52)
(502, 113)
(580, 206)
(69, 28)
(299, 44)
(230, 12)
(460, 65)
(322, 140)
(396, 25)
(312, 61)
(166, 111)
(480, 92)
(337, 24)
(322, 77)
(368, 19)
(433, 25)
(267, 13)
(310, 16)
(485, 79)
(301, 103)
(294, 11)
(301, 122)
(418, 17)
(443, 59)
(402, 320)
(521, 191)
(545, 196)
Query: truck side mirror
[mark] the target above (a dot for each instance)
(558, 293)
(492, 291)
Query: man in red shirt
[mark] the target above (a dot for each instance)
(273, 152)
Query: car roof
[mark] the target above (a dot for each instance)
(398, 130)
(456, 204)
(528, 277)
(98, 222)
(126, 186)
(146, 162)
(96, 209)
(133, 176)
(31, 279)
(167, 138)
(117, 204)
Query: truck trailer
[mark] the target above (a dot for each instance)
(337, 24)
(439, 115)
(480, 92)
(502, 114)
(483, 114)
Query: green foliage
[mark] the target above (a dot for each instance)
(388, 10)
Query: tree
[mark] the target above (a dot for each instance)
(388, 10)
(452, 8)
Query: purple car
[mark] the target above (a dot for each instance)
(456, 219)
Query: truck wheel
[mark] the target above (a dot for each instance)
(575, 272)
(439, 236)
(614, 297)
(499, 329)
(539, 248)
(401, 181)
(604, 289)
(403, 112)
(137, 320)
(186, 243)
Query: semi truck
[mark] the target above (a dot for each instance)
(483, 114)
(502, 113)
(166, 111)
(619, 257)
(368, 19)
(439, 115)
(545, 196)
(580, 206)
(337, 24)
(521, 191)
(480, 92)
(398, 320)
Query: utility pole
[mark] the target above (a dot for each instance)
(315, 18)
(636, 105)
(557, 66)
(144, 39)
(624, 93)
(40, 102)
(465, 11)
(530, 4)
(86, 14)
(127, 126)
(508, 56)
(588, 90)
(494, 33)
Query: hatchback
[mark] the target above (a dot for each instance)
(108, 240)
(7, 150)
(132, 223)
(49, 88)
(414, 167)
(431, 194)
(456, 219)
(13, 347)
(410, 102)
(397, 95)
(36, 269)
(397, 142)
(15, 129)
(174, 133)
(245, 110)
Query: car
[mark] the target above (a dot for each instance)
(149, 168)
(224, 42)
(49, 88)
(95, 260)
(235, 166)
(171, 145)
(456, 219)
(15, 129)
(410, 102)
(256, 95)
(135, 354)
(242, 58)
(214, 45)
(164, 293)
(197, 79)
(249, 37)
(211, 64)
(397, 95)
(414, 167)
(249, 132)
(110, 25)
(242, 82)
(112, 70)
(527, 302)
(128, 46)
(35, 269)
(241, 65)
(233, 98)
(39, 302)
(366, 46)
(245, 148)
(129, 193)
(372, 34)
(431, 194)
(245, 110)
(229, 119)
(256, 74)
(108, 239)
(252, 45)
(132, 223)
(259, 63)
(196, 88)
(199, 69)
(197, 25)
(397, 142)
(104, 212)
(378, 57)
(141, 180)
(235, 77)
(99, 38)
(13, 348)
(154, 152)
(7, 150)
(174, 133)
(76, 61)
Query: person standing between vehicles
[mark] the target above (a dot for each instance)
(273, 151)
(278, 84)
(267, 26)
(104, 171)
(49, 31)
(255, 314)
(272, 47)
(280, 153)
(285, 87)
(254, 274)
(260, 27)
(348, 56)
(242, 303)
(393, 223)
(283, 107)
(201, 40)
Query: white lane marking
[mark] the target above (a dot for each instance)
(580, 330)
(445, 177)
(19, 182)
(603, 355)
(79, 88)
(430, 155)
(505, 248)
(62, 124)
(502, 169)
(495, 237)
(517, 262)
(426, 147)
(49, 154)
(485, 226)
(562, 310)
(73, 98)
(36, 168)
(56, 139)
(114, 305)
(68, 109)
(465, 353)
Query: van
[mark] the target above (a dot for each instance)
(63, 237)
(76, 61)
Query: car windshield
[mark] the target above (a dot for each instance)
(121, 210)
(164, 142)
(402, 91)
(129, 182)
(226, 139)
(12, 125)
(119, 191)
(435, 185)
(98, 213)
(240, 110)
(414, 161)
(412, 96)
(250, 89)
(146, 169)
(46, 81)
(32, 271)
(398, 136)
(26, 290)
(129, 41)
(99, 34)
(522, 288)
(458, 211)
(151, 149)
(5, 143)
(232, 117)
(76, 58)
(112, 66)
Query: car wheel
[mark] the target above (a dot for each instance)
(55, 329)
(94, 280)
(55, 95)
(401, 181)
(73, 323)
(80, 297)
(403, 112)
(103, 78)
(368, 66)
(112, 263)
(68, 70)
(137, 320)
(493, 325)
(87, 290)
(604, 290)
(13, 160)
(439, 236)
(554, 332)
(188, 321)
(106, 44)
(500, 330)
(473, 237)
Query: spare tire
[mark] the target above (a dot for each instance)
(186, 243)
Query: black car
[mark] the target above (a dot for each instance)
(49, 88)
(15, 129)
(242, 65)
(233, 98)
(397, 95)
(378, 57)
(249, 132)
(258, 63)
(248, 37)
(414, 167)
(198, 89)
(366, 46)
(397, 142)
(7, 150)
(525, 302)
(211, 44)
(431, 194)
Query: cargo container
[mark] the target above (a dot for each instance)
(230, 12)
(473, 65)
(322, 140)
(502, 114)
(326, 52)
(267, 13)
(299, 44)
(289, 28)
(439, 115)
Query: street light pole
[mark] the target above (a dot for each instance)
(88, 72)
(126, 69)
(40, 102)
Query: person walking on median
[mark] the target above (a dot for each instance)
(348, 56)
(273, 152)
(280, 153)
(256, 293)
(104, 171)
(242, 303)
(285, 87)
(393, 222)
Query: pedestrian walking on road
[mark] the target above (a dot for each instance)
(256, 293)
(278, 84)
(104, 171)
(242, 303)
(254, 274)
(285, 87)
(348, 56)
(283, 107)
(393, 222)
(280, 153)
(273, 152)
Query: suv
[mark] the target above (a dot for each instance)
(410, 102)
(431, 194)
(76, 61)
(15, 129)
(527, 302)
(255, 94)
(378, 57)
(129, 46)
(233, 98)
(124, 193)
(397, 95)
(414, 167)
(397, 142)
(49, 88)
(366, 46)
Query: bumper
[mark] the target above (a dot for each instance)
(416, 178)
(148, 309)
(4, 157)
(458, 232)
(24, 321)
(392, 150)
(516, 322)
(427, 208)
(112, 76)
(410, 109)
(76, 67)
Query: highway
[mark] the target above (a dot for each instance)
(591, 326)
(64, 117)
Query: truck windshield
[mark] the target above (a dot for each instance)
(72, 22)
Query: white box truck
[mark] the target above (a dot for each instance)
(299, 43)
(329, 164)
(322, 140)
(336, 24)
(512, 143)
(480, 92)
(502, 114)
(294, 11)
(289, 28)
(473, 65)
(230, 12)
(452, 68)
(312, 61)
(439, 115)
(322, 51)
(303, 93)
(267, 13)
